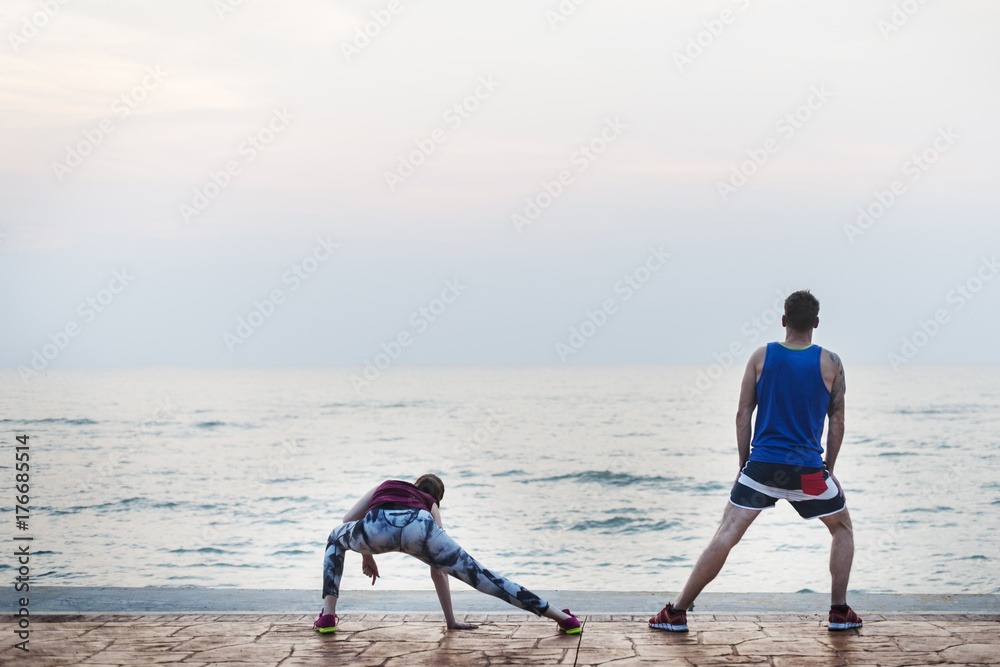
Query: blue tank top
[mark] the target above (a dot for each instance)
(792, 401)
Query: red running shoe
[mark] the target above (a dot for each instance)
(844, 620)
(326, 623)
(670, 619)
(571, 626)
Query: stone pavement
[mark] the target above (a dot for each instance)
(622, 640)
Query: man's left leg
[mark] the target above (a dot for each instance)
(841, 554)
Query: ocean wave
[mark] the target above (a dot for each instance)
(386, 406)
(710, 486)
(606, 477)
(131, 503)
(939, 508)
(248, 566)
(52, 420)
(623, 525)
(669, 559)
(949, 410)
(33, 553)
(625, 510)
(210, 424)
(113, 504)
(203, 550)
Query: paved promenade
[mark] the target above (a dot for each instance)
(621, 640)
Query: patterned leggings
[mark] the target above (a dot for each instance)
(415, 532)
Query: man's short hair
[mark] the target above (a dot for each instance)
(801, 310)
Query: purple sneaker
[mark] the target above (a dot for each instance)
(571, 626)
(326, 622)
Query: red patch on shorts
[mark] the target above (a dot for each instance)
(813, 484)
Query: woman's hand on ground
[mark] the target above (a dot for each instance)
(458, 625)
(369, 568)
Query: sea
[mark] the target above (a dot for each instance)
(581, 478)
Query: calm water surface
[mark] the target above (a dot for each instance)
(601, 478)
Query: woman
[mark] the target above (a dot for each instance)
(400, 516)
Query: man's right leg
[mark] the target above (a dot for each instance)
(735, 521)
(841, 554)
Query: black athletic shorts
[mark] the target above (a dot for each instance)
(810, 491)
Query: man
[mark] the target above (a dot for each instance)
(795, 386)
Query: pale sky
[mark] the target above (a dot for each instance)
(115, 115)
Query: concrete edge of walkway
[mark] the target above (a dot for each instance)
(524, 617)
(187, 600)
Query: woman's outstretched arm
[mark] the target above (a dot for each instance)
(359, 510)
(443, 588)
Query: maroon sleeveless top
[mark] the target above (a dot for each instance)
(402, 494)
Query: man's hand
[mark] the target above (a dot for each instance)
(458, 625)
(369, 567)
(839, 487)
